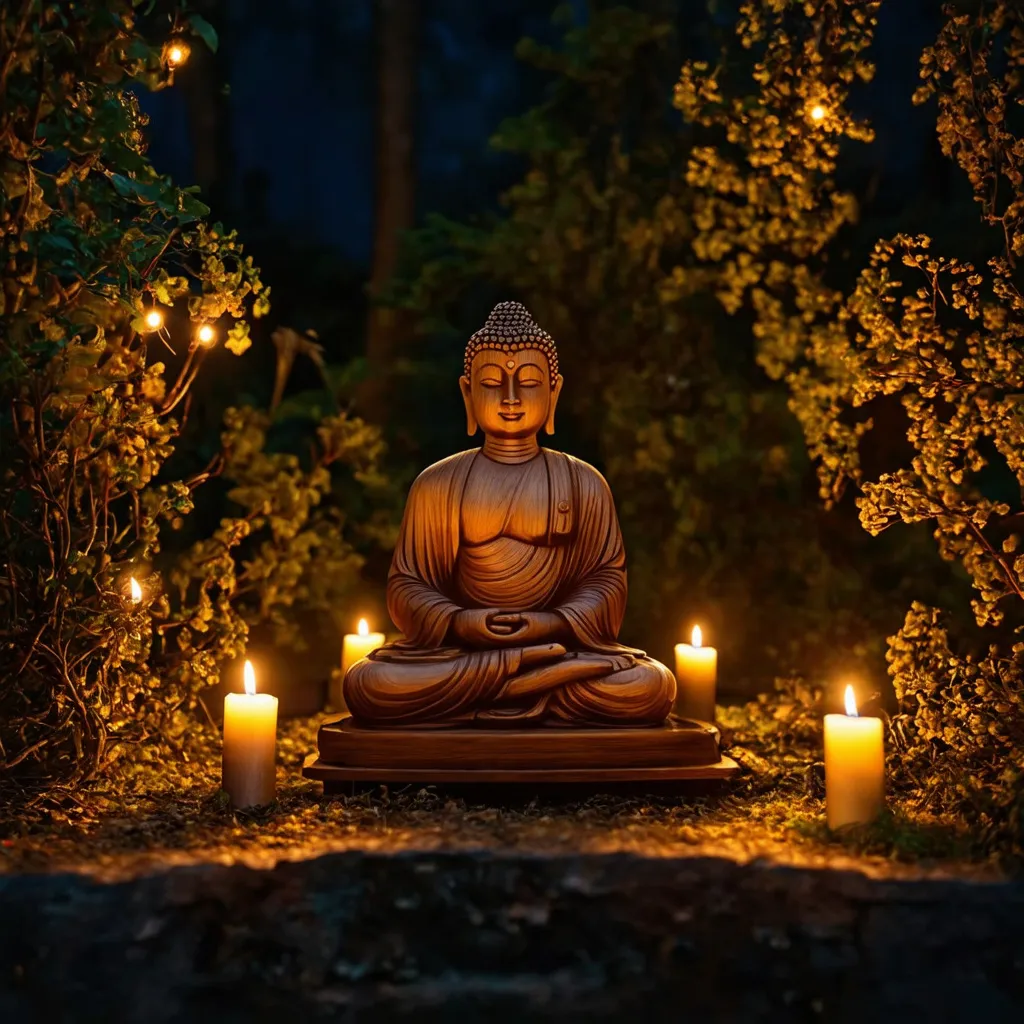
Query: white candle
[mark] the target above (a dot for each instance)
(250, 744)
(696, 673)
(854, 766)
(354, 647)
(358, 645)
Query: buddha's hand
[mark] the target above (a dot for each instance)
(477, 627)
(531, 627)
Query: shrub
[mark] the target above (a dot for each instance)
(935, 336)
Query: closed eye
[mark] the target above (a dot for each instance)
(490, 383)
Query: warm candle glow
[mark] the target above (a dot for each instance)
(206, 335)
(854, 766)
(354, 647)
(818, 113)
(250, 744)
(851, 702)
(696, 678)
(154, 319)
(136, 591)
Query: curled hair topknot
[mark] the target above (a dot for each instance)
(510, 328)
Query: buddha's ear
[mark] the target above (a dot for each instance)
(549, 427)
(467, 397)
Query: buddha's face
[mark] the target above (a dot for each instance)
(509, 394)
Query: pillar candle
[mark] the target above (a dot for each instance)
(696, 673)
(358, 645)
(250, 744)
(353, 647)
(854, 766)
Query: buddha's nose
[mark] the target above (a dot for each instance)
(511, 395)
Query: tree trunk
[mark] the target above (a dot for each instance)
(395, 28)
(202, 81)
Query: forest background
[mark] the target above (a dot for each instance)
(406, 173)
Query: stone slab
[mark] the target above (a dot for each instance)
(470, 937)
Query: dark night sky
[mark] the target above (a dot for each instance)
(302, 93)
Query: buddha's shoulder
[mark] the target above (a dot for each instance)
(440, 474)
(589, 479)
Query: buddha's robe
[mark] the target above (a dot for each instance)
(540, 535)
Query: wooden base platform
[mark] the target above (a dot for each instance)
(682, 750)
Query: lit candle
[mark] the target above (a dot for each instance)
(358, 645)
(355, 646)
(250, 744)
(696, 672)
(854, 766)
(135, 591)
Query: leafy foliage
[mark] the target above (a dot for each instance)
(289, 553)
(94, 243)
(936, 334)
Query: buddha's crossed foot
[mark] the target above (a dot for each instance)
(549, 666)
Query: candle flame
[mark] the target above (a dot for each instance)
(851, 703)
(363, 629)
(696, 637)
(136, 591)
(249, 675)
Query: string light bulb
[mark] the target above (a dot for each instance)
(206, 335)
(176, 53)
(154, 319)
(818, 113)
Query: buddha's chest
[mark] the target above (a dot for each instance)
(505, 501)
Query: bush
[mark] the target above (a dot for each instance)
(927, 341)
(98, 656)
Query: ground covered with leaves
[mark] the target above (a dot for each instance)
(170, 812)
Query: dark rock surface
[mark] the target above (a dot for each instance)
(468, 937)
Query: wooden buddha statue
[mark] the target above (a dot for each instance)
(509, 576)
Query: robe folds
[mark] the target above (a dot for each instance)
(572, 563)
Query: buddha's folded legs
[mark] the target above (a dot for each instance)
(641, 694)
(536, 683)
(398, 685)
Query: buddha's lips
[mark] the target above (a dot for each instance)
(511, 415)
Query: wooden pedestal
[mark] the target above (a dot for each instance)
(679, 751)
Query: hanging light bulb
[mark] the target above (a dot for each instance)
(818, 113)
(154, 319)
(177, 53)
(206, 335)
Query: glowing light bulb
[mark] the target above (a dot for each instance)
(818, 113)
(249, 677)
(154, 319)
(135, 590)
(851, 702)
(363, 629)
(177, 54)
(696, 637)
(206, 335)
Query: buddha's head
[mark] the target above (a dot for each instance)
(511, 381)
